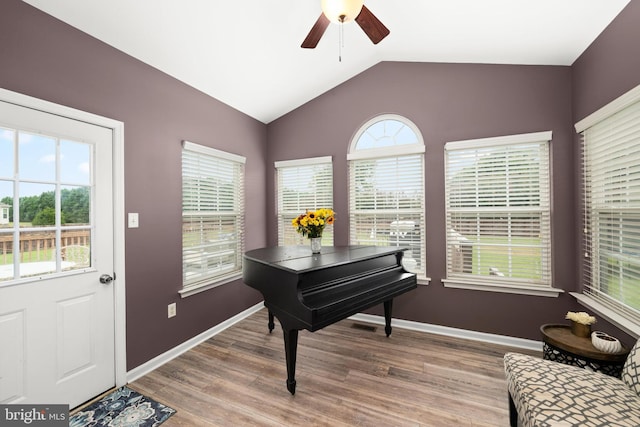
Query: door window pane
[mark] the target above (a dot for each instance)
(48, 185)
(75, 158)
(6, 204)
(36, 157)
(37, 205)
(6, 153)
(75, 205)
(37, 253)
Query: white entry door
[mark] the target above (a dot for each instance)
(56, 241)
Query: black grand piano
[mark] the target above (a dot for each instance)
(311, 291)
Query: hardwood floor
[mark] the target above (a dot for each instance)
(348, 374)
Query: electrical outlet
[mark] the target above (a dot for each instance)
(171, 310)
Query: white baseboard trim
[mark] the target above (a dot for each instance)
(452, 332)
(163, 358)
(160, 360)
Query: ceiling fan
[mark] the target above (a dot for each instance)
(341, 11)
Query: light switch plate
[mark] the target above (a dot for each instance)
(133, 220)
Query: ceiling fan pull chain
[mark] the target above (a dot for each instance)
(341, 37)
(340, 41)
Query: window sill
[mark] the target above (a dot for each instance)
(206, 286)
(509, 289)
(609, 315)
(423, 280)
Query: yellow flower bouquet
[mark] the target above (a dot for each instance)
(311, 223)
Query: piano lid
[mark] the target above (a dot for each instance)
(299, 259)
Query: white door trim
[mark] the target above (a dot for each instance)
(117, 128)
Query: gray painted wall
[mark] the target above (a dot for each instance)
(48, 59)
(447, 102)
(461, 101)
(609, 68)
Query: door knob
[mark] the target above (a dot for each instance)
(106, 279)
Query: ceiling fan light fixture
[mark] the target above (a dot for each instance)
(340, 11)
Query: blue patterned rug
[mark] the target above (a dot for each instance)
(122, 408)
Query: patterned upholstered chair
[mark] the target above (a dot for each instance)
(546, 393)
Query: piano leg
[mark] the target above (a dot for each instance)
(290, 349)
(388, 305)
(271, 324)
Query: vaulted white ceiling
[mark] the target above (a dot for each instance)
(246, 53)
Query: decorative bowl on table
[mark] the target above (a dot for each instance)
(605, 342)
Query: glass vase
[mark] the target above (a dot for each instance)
(316, 244)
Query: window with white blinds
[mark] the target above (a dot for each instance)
(303, 184)
(386, 188)
(212, 216)
(611, 184)
(498, 210)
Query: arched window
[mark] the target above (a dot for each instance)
(386, 187)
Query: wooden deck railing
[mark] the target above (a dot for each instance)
(39, 246)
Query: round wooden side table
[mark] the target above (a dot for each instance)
(560, 345)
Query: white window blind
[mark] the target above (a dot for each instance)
(304, 184)
(611, 183)
(212, 215)
(498, 210)
(386, 188)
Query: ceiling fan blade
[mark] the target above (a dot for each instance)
(316, 32)
(371, 25)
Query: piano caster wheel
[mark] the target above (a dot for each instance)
(291, 386)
